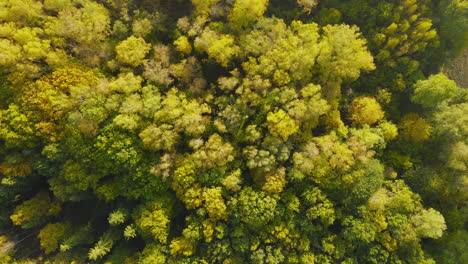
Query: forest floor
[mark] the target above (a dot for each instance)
(458, 70)
(6, 246)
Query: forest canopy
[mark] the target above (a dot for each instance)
(232, 132)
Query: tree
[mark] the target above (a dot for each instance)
(359, 231)
(183, 45)
(132, 51)
(281, 53)
(153, 253)
(436, 89)
(102, 247)
(56, 93)
(214, 153)
(203, 7)
(275, 181)
(365, 110)
(452, 25)
(281, 124)
(152, 220)
(214, 203)
(220, 47)
(10, 53)
(429, 223)
(34, 210)
(245, 12)
(17, 129)
(450, 121)
(343, 55)
(86, 23)
(255, 208)
(308, 5)
(186, 115)
(24, 11)
(51, 234)
(156, 138)
(414, 128)
(318, 207)
(72, 179)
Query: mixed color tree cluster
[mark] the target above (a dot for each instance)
(232, 132)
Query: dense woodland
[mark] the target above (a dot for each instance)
(232, 132)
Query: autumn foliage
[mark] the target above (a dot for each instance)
(246, 131)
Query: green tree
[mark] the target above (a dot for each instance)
(429, 223)
(255, 208)
(436, 89)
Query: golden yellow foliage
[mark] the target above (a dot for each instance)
(414, 128)
(183, 45)
(365, 110)
(182, 246)
(132, 51)
(275, 181)
(281, 124)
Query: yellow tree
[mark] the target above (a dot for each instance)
(132, 51)
(414, 128)
(220, 47)
(51, 234)
(365, 110)
(281, 124)
(203, 7)
(34, 209)
(245, 12)
(343, 55)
